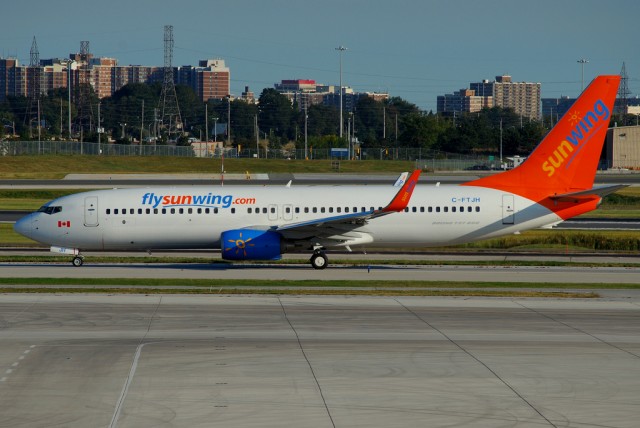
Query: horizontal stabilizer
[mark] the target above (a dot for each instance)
(596, 192)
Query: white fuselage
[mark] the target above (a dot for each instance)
(194, 217)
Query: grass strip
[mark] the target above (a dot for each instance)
(292, 284)
(302, 291)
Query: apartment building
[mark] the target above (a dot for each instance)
(522, 97)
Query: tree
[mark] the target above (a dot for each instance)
(276, 114)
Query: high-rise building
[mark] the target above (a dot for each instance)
(464, 100)
(522, 97)
(211, 80)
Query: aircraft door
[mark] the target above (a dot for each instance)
(508, 210)
(91, 211)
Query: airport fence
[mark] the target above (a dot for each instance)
(428, 160)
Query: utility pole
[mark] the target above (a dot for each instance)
(228, 120)
(206, 122)
(582, 62)
(141, 127)
(255, 118)
(341, 49)
(99, 130)
(306, 119)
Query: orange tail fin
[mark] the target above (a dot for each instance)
(566, 160)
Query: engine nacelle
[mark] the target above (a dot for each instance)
(249, 244)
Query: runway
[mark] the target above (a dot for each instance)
(161, 361)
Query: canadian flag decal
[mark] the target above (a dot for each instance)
(66, 223)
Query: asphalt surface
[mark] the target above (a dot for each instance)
(179, 361)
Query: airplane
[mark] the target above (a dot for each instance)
(553, 184)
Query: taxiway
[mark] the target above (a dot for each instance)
(153, 361)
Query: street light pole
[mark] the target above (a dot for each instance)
(582, 62)
(341, 49)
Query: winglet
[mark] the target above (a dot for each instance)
(401, 199)
(401, 179)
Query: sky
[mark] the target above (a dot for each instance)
(413, 49)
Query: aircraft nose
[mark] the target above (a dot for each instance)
(24, 226)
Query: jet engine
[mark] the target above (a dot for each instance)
(250, 244)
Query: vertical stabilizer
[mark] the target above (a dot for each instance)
(567, 158)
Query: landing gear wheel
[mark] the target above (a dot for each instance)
(319, 261)
(77, 261)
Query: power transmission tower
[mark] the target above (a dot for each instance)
(170, 120)
(623, 92)
(83, 94)
(34, 82)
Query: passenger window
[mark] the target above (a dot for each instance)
(264, 210)
(346, 209)
(207, 211)
(322, 209)
(108, 211)
(155, 211)
(469, 209)
(132, 211)
(406, 209)
(306, 210)
(421, 209)
(339, 209)
(330, 209)
(115, 211)
(453, 209)
(430, 209)
(446, 209)
(297, 210)
(273, 210)
(189, 210)
(199, 210)
(477, 209)
(139, 210)
(249, 210)
(215, 210)
(437, 209)
(233, 210)
(315, 209)
(287, 210)
(414, 209)
(164, 211)
(181, 211)
(173, 211)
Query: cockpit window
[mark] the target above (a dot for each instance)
(49, 209)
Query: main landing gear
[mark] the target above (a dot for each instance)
(319, 260)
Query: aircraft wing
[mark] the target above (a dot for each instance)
(398, 203)
(339, 227)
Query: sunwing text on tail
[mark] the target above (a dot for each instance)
(256, 222)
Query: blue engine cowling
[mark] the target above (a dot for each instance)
(249, 244)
